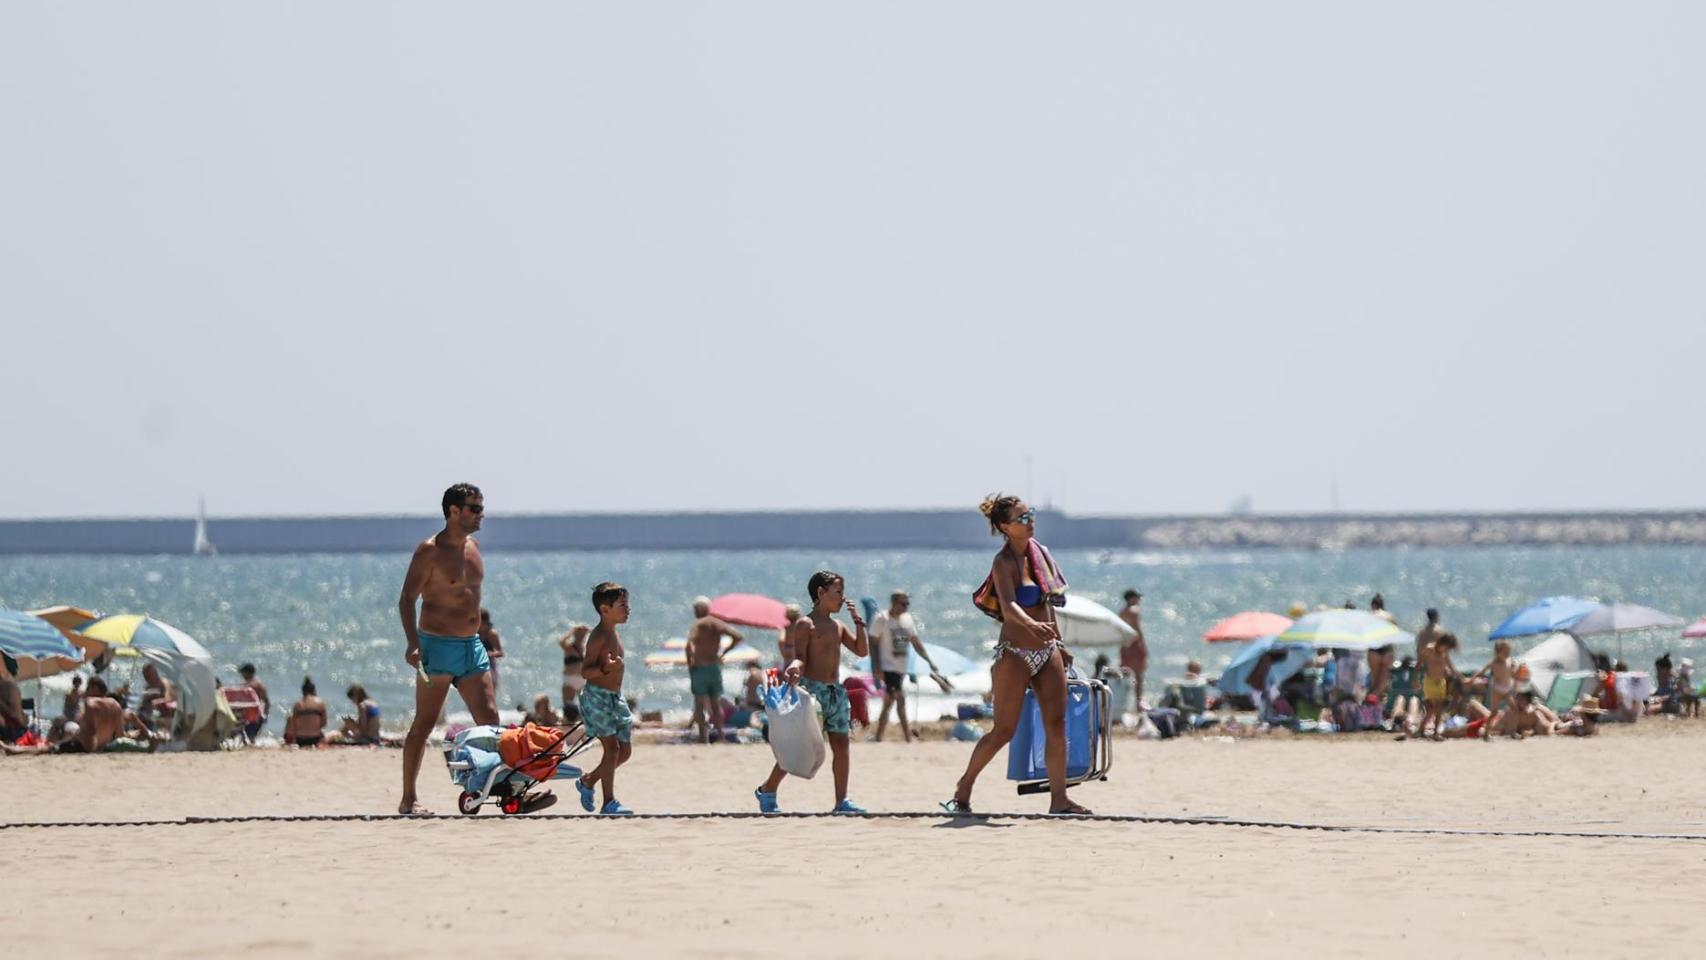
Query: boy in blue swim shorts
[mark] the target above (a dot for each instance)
(815, 641)
(603, 709)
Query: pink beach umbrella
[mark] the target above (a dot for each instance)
(1696, 630)
(749, 610)
(1246, 626)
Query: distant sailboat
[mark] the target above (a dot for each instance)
(203, 546)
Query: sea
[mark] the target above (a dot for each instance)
(334, 616)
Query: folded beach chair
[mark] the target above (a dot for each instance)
(1567, 689)
(245, 703)
(1089, 737)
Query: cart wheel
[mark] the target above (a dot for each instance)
(468, 803)
(512, 805)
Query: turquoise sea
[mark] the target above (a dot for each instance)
(334, 616)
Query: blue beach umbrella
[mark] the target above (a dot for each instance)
(1546, 615)
(1343, 630)
(34, 648)
(1235, 679)
(26, 636)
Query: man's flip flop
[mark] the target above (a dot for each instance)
(415, 811)
(956, 806)
(1071, 810)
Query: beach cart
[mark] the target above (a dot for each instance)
(1089, 737)
(505, 765)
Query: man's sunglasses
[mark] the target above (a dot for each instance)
(475, 508)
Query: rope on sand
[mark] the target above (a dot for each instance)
(924, 815)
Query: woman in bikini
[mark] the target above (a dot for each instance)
(1022, 582)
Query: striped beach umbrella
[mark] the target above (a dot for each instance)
(32, 645)
(129, 632)
(1343, 630)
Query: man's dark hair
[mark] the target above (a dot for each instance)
(458, 494)
(247, 670)
(1378, 602)
(1133, 595)
(97, 687)
(1433, 615)
(606, 594)
(820, 581)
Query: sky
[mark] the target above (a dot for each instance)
(1124, 258)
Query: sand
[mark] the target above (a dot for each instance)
(576, 885)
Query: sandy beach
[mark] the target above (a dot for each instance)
(571, 883)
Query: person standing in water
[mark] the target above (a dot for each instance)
(1020, 591)
(445, 576)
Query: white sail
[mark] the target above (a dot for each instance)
(203, 546)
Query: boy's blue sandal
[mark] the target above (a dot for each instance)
(766, 802)
(586, 796)
(848, 806)
(614, 808)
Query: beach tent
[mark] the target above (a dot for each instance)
(1293, 657)
(1085, 623)
(1558, 653)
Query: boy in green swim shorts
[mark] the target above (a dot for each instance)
(603, 709)
(816, 641)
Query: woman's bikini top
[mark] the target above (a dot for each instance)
(1027, 595)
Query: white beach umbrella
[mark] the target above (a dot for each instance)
(1085, 623)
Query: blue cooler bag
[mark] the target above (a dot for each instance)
(1025, 760)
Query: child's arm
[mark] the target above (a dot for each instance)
(859, 641)
(801, 639)
(592, 667)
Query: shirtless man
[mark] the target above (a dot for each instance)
(1134, 656)
(445, 576)
(705, 652)
(100, 722)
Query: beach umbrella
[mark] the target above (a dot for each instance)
(749, 610)
(36, 647)
(1343, 630)
(1621, 618)
(1546, 615)
(1085, 623)
(66, 620)
(1246, 626)
(1695, 630)
(948, 662)
(1292, 658)
(674, 654)
(130, 633)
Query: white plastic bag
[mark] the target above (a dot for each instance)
(796, 729)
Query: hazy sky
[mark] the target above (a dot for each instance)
(329, 258)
